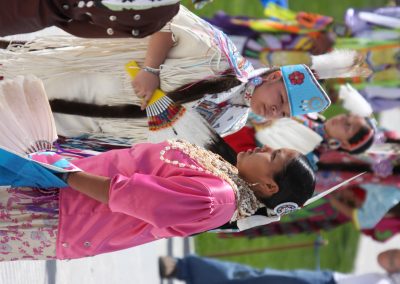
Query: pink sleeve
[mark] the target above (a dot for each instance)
(160, 201)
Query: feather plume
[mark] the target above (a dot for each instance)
(340, 63)
(26, 122)
(288, 133)
(353, 101)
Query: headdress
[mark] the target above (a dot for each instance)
(366, 136)
(305, 94)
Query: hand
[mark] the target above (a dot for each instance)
(53, 159)
(144, 85)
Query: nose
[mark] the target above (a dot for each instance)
(274, 113)
(266, 149)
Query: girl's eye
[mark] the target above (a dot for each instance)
(274, 154)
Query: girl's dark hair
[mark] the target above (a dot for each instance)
(360, 135)
(195, 91)
(187, 93)
(296, 183)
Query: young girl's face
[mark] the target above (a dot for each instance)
(344, 126)
(260, 165)
(270, 99)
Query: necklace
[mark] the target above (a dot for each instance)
(246, 202)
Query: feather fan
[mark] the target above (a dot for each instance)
(167, 119)
(26, 122)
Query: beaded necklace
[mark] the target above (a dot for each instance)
(246, 202)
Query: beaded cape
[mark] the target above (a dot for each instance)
(246, 202)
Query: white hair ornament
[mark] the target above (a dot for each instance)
(340, 63)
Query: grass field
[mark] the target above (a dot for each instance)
(339, 254)
(254, 8)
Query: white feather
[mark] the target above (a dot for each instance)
(339, 63)
(26, 121)
(288, 133)
(354, 102)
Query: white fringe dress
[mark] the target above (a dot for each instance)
(92, 71)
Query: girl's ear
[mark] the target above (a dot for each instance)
(273, 77)
(271, 187)
(265, 188)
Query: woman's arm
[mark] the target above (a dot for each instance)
(145, 83)
(96, 187)
(159, 45)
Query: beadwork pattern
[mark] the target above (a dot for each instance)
(246, 202)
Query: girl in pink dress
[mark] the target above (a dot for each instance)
(125, 198)
(128, 197)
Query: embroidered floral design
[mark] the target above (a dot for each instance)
(296, 78)
(29, 223)
(5, 248)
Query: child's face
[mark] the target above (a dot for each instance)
(260, 165)
(343, 127)
(270, 99)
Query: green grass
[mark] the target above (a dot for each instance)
(254, 8)
(337, 255)
(233, 7)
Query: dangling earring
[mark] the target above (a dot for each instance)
(334, 143)
(253, 184)
(256, 81)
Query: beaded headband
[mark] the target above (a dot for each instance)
(366, 137)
